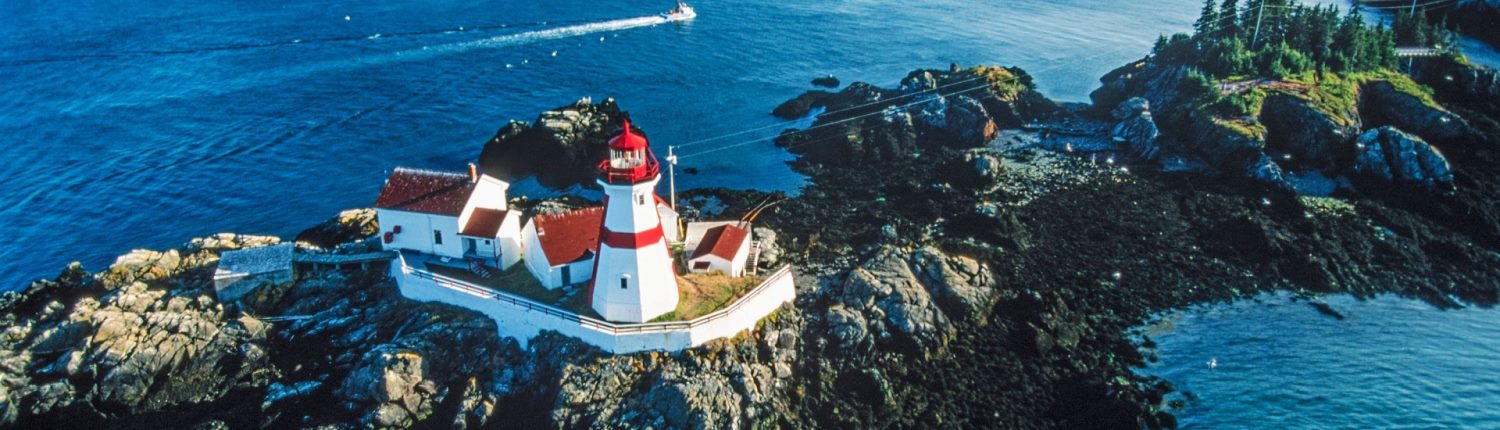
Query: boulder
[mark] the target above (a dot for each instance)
(1310, 137)
(141, 265)
(800, 106)
(349, 226)
(886, 288)
(1393, 156)
(963, 287)
(770, 252)
(1382, 103)
(826, 81)
(560, 148)
(389, 384)
(1135, 133)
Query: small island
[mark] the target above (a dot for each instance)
(967, 253)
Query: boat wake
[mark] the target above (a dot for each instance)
(505, 40)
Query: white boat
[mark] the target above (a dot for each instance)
(682, 12)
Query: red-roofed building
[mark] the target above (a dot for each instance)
(723, 248)
(449, 214)
(560, 248)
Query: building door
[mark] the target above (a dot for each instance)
(567, 275)
(469, 245)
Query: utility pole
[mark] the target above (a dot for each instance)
(672, 176)
(1261, 13)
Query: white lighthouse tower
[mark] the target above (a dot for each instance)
(634, 279)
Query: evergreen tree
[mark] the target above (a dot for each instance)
(1208, 19)
(1229, 16)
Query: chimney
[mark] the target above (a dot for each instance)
(473, 173)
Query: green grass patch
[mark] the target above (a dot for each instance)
(518, 281)
(700, 294)
(1005, 82)
(1250, 130)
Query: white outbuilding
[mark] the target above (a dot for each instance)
(560, 248)
(723, 248)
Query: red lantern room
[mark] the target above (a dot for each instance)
(630, 159)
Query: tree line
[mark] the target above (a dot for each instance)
(1282, 38)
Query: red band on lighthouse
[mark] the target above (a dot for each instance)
(635, 240)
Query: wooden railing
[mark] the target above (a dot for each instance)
(602, 325)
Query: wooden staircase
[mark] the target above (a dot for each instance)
(477, 267)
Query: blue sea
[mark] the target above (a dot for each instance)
(1279, 363)
(130, 124)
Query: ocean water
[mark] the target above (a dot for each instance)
(144, 124)
(1281, 364)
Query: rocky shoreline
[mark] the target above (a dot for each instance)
(969, 254)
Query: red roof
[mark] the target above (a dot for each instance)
(416, 190)
(723, 241)
(628, 139)
(569, 236)
(484, 222)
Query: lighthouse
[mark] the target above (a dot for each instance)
(634, 279)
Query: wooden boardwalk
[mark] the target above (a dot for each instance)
(1414, 51)
(341, 259)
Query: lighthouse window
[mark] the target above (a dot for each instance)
(640, 199)
(624, 282)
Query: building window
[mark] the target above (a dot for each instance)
(437, 237)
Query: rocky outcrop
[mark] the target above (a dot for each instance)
(1135, 133)
(560, 148)
(886, 290)
(728, 383)
(1311, 138)
(963, 287)
(770, 251)
(153, 340)
(349, 226)
(1393, 156)
(1382, 103)
(913, 295)
(389, 383)
(800, 106)
(1475, 88)
(959, 108)
(829, 81)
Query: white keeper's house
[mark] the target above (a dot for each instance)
(450, 215)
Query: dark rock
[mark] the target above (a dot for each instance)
(1135, 134)
(826, 81)
(885, 287)
(800, 106)
(1381, 103)
(1393, 156)
(963, 287)
(349, 226)
(1313, 139)
(1324, 309)
(1472, 87)
(561, 148)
